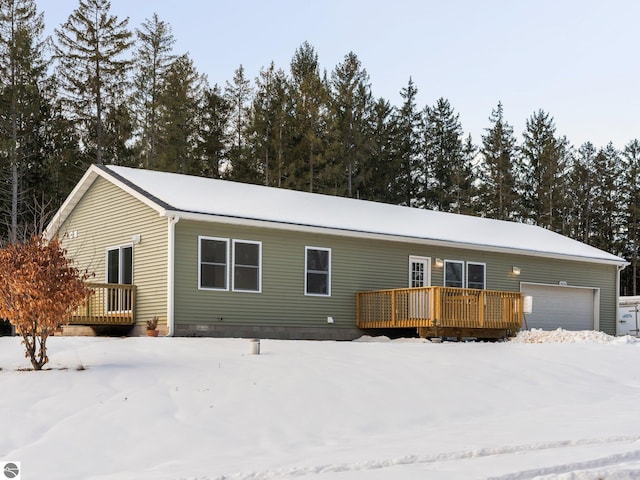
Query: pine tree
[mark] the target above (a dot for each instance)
(238, 95)
(443, 175)
(22, 79)
(580, 195)
(352, 103)
(178, 128)
(630, 188)
(118, 130)
(383, 164)
(497, 169)
(465, 179)
(306, 169)
(542, 173)
(407, 122)
(61, 144)
(92, 65)
(213, 132)
(270, 123)
(153, 57)
(606, 201)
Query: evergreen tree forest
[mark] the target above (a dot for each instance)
(103, 91)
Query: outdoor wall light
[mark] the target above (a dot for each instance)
(439, 263)
(515, 270)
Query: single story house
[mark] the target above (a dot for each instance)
(217, 258)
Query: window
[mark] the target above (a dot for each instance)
(476, 275)
(317, 271)
(213, 258)
(247, 260)
(453, 273)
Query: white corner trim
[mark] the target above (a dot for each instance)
(171, 240)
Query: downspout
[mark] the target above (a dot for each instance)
(170, 274)
(619, 269)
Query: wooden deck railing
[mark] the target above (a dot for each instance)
(110, 304)
(439, 307)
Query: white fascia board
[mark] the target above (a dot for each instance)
(202, 217)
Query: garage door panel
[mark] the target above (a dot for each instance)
(558, 306)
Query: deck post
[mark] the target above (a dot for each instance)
(393, 307)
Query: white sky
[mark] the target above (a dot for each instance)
(578, 60)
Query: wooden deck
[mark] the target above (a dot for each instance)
(110, 304)
(442, 311)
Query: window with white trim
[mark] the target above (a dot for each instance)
(120, 265)
(247, 266)
(213, 259)
(476, 275)
(119, 271)
(317, 278)
(453, 273)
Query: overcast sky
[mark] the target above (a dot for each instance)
(578, 60)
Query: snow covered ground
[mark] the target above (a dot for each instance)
(561, 405)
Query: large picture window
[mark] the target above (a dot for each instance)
(476, 275)
(213, 258)
(317, 271)
(453, 273)
(247, 260)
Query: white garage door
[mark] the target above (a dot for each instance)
(557, 306)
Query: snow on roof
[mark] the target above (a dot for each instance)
(185, 193)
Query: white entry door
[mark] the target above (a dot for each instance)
(419, 272)
(419, 276)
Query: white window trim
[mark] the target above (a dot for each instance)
(444, 276)
(106, 262)
(233, 266)
(227, 264)
(306, 251)
(484, 271)
(427, 260)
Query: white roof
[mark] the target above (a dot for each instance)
(208, 199)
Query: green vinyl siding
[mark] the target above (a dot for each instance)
(357, 264)
(108, 217)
